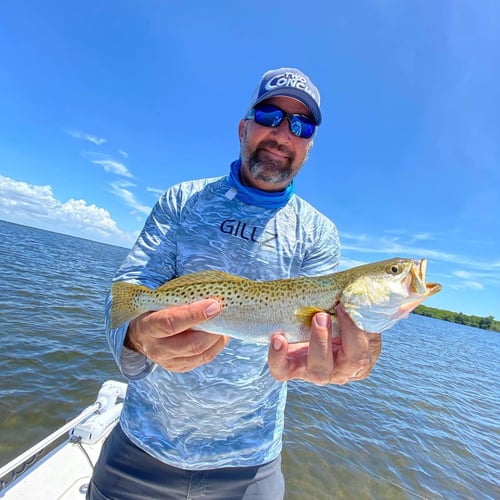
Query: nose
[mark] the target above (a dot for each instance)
(283, 130)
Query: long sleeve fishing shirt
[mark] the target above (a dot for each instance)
(229, 412)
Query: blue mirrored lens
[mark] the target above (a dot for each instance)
(301, 127)
(271, 116)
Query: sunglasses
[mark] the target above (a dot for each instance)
(271, 116)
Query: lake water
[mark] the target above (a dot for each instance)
(425, 424)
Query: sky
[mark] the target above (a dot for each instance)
(106, 103)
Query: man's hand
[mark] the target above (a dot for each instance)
(326, 360)
(167, 337)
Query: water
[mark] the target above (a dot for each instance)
(425, 424)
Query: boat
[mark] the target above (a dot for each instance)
(52, 469)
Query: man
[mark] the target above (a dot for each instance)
(203, 416)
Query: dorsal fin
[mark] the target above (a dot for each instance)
(202, 277)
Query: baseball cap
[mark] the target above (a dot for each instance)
(288, 82)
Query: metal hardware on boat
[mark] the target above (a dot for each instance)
(88, 427)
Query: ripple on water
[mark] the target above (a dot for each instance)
(425, 424)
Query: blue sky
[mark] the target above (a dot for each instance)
(104, 104)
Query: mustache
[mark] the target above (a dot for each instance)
(270, 144)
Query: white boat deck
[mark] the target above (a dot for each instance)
(65, 472)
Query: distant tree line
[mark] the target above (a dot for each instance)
(486, 323)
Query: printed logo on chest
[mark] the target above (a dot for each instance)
(242, 230)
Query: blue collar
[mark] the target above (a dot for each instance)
(252, 196)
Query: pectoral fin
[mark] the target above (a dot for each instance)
(305, 314)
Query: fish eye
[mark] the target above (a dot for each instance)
(394, 269)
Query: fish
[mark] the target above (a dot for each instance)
(375, 296)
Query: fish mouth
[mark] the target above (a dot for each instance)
(433, 288)
(418, 285)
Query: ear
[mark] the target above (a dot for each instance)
(241, 129)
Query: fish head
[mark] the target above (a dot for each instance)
(380, 294)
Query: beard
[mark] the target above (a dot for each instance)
(264, 168)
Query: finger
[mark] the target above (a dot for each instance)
(356, 346)
(277, 358)
(354, 357)
(176, 319)
(320, 357)
(186, 363)
(375, 343)
(187, 343)
(375, 340)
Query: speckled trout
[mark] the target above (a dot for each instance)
(375, 296)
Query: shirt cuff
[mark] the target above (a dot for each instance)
(134, 365)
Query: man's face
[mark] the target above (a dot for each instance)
(271, 157)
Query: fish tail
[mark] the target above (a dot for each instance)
(124, 306)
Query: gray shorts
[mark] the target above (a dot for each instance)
(125, 472)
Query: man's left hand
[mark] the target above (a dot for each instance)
(326, 360)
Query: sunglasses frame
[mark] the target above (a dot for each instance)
(291, 117)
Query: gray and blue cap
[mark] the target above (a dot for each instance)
(288, 82)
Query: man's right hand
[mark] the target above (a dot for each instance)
(167, 336)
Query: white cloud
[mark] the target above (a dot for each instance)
(463, 274)
(474, 275)
(108, 163)
(155, 191)
(355, 237)
(36, 205)
(474, 285)
(478, 279)
(422, 236)
(392, 247)
(114, 167)
(123, 153)
(346, 263)
(86, 137)
(121, 189)
(460, 272)
(399, 234)
(466, 285)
